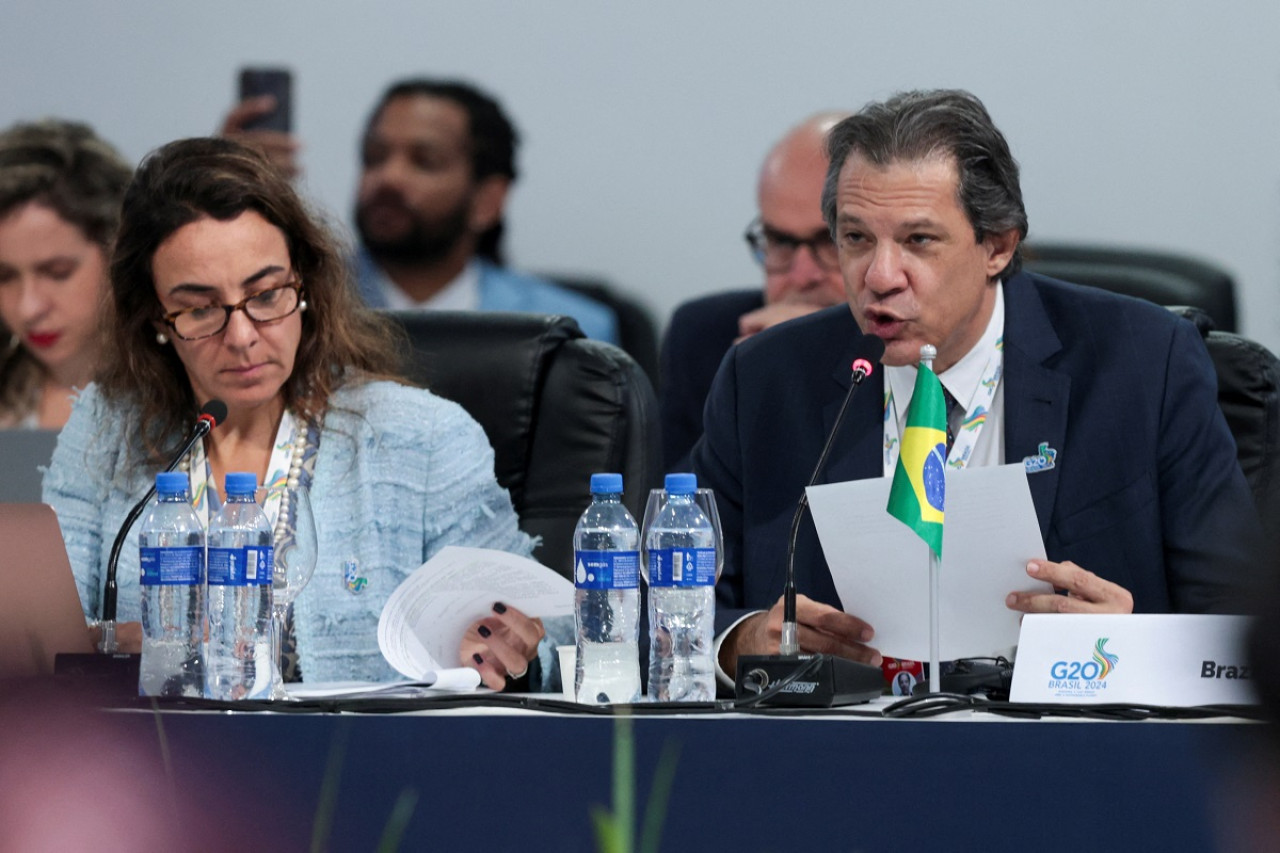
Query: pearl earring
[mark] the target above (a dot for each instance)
(162, 338)
(302, 306)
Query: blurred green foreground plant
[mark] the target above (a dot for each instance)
(615, 830)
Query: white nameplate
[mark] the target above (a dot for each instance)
(1143, 659)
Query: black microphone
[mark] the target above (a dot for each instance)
(869, 351)
(838, 680)
(213, 413)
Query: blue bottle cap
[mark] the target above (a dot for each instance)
(241, 482)
(681, 484)
(606, 484)
(171, 483)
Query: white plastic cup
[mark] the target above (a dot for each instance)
(568, 662)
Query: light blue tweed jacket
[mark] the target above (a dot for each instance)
(400, 474)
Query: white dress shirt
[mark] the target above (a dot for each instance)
(964, 381)
(461, 294)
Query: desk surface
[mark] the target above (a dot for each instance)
(513, 781)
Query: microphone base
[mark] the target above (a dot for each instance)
(837, 681)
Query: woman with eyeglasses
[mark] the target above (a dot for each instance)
(224, 287)
(60, 190)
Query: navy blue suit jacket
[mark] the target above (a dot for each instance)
(700, 333)
(1146, 491)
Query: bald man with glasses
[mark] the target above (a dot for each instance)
(791, 242)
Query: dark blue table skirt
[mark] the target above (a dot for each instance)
(515, 782)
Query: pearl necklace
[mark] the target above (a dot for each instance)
(297, 452)
(298, 444)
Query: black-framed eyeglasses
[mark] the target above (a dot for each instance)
(275, 303)
(776, 250)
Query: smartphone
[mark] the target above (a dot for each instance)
(277, 82)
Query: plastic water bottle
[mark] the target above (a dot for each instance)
(606, 575)
(171, 542)
(682, 575)
(241, 560)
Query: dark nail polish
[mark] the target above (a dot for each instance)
(484, 631)
(499, 607)
(476, 657)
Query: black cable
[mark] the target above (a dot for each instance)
(808, 666)
(932, 704)
(929, 705)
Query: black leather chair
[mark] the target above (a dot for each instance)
(637, 331)
(1249, 396)
(556, 406)
(1160, 277)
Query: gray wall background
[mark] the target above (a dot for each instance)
(1155, 124)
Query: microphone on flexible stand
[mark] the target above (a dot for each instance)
(212, 414)
(778, 679)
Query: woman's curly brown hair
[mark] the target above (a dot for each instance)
(191, 179)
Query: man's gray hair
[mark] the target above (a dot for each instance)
(950, 123)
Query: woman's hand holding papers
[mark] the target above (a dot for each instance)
(819, 628)
(1086, 592)
(500, 646)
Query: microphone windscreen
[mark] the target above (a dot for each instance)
(214, 410)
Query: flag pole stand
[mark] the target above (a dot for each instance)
(935, 667)
(921, 482)
(927, 354)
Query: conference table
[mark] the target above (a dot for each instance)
(513, 773)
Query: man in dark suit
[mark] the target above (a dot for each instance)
(1110, 400)
(801, 275)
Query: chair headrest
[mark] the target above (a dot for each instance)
(456, 354)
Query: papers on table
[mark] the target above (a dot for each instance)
(881, 568)
(424, 619)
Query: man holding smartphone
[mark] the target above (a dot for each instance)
(438, 160)
(264, 116)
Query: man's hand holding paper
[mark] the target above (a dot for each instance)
(1086, 592)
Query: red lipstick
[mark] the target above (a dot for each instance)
(43, 340)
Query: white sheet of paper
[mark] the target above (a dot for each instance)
(424, 619)
(881, 568)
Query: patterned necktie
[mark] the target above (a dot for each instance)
(951, 408)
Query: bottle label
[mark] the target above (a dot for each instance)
(606, 569)
(248, 566)
(682, 567)
(178, 566)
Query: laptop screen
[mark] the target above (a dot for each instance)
(40, 612)
(22, 453)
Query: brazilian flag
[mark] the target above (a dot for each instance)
(917, 495)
